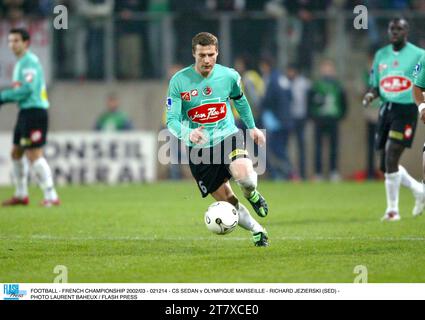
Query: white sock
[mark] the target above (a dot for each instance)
(45, 179)
(20, 175)
(392, 187)
(409, 182)
(246, 221)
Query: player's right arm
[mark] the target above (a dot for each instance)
(175, 117)
(373, 91)
(23, 85)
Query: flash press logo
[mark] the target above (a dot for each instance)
(12, 292)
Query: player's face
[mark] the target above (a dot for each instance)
(16, 44)
(397, 32)
(205, 58)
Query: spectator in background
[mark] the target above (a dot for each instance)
(13, 10)
(113, 119)
(253, 84)
(159, 8)
(300, 87)
(226, 5)
(276, 119)
(313, 29)
(187, 23)
(131, 39)
(416, 30)
(327, 107)
(93, 35)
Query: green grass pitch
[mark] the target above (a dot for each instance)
(319, 233)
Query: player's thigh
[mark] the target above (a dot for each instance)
(225, 193)
(241, 168)
(382, 129)
(403, 125)
(33, 154)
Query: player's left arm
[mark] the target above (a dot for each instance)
(240, 102)
(244, 109)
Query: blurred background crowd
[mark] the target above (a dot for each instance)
(304, 68)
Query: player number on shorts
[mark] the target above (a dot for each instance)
(203, 188)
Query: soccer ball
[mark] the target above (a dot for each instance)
(221, 217)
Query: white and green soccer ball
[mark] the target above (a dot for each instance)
(221, 217)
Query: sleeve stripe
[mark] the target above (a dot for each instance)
(237, 98)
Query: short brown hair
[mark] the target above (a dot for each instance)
(204, 39)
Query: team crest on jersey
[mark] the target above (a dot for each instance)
(208, 113)
(29, 74)
(36, 136)
(395, 84)
(194, 93)
(185, 96)
(207, 91)
(382, 67)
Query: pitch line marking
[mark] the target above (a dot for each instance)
(156, 238)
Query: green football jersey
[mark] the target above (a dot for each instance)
(29, 87)
(194, 101)
(419, 74)
(392, 73)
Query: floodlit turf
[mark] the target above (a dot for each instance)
(318, 232)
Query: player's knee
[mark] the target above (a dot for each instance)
(248, 182)
(16, 154)
(240, 168)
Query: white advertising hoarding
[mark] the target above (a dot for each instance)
(90, 157)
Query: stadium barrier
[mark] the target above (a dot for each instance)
(89, 157)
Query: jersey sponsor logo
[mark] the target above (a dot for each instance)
(207, 91)
(194, 93)
(395, 84)
(185, 96)
(169, 103)
(208, 113)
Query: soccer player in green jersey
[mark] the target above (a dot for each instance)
(391, 80)
(29, 92)
(199, 113)
(419, 96)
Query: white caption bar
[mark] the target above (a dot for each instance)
(215, 291)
